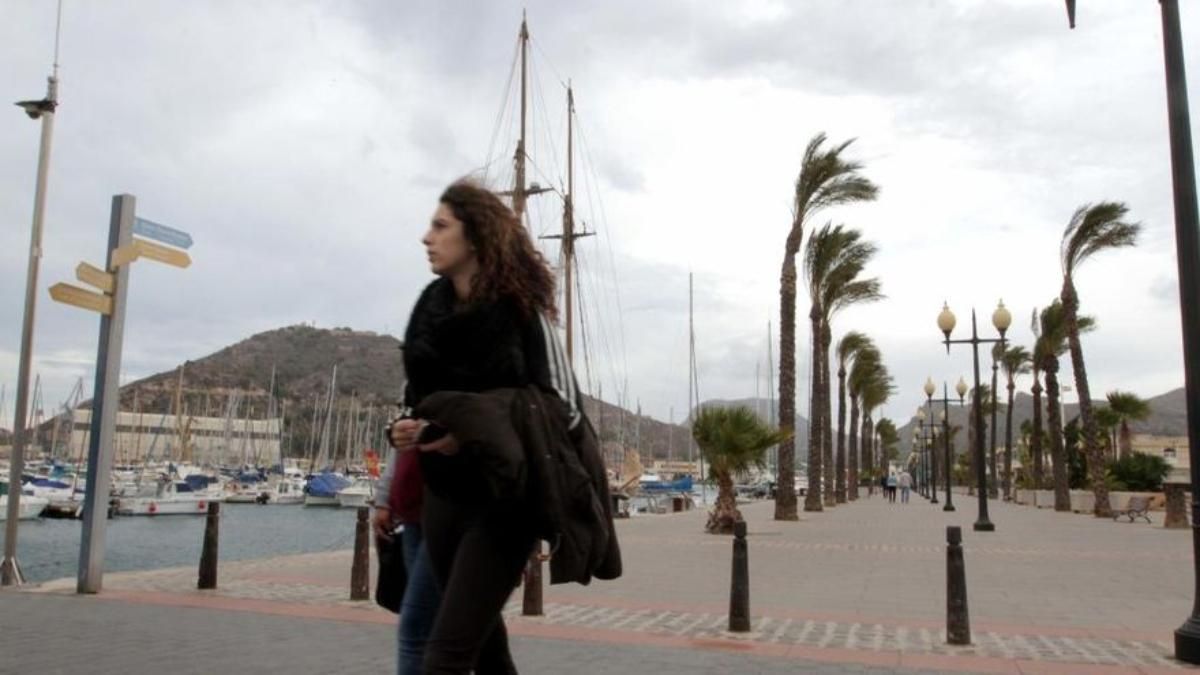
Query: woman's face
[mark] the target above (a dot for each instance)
(446, 243)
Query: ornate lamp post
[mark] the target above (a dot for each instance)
(933, 464)
(928, 435)
(1001, 319)
(961, 388)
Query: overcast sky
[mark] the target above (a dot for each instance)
(304, 144)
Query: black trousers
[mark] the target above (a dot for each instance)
(478, 552)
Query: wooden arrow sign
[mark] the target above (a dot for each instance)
(81, 297)
(94, 276)
(162, 254)
(123, 256)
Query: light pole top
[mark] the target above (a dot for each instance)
(1001, 318)
(930, 387)
(961, 388)
(946, 320)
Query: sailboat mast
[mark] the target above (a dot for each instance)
(691, 365)
(568, 243)
(519, 195)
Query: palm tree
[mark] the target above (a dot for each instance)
(732, 440)
(1051, 344)
(876, 391)
(1035, 439)
(849, 347)
(1128, 406)
(1014, 361)
(866, 364)
(826, 179)
(888, 439)
(984, 393)
(833, 260)
(1092, 229)
(1107, 421)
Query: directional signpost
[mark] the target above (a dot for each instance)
(109, 302)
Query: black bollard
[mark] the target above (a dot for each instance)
(360, 571)
(739, 593)
(208, 553)
(958, 625)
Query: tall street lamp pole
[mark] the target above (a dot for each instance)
(993, 477)
(928, 435)
(961, 388)
(930, 389)
(10, 569)
(1187, 253)
(1001, 319)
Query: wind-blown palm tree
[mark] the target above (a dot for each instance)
(1035, 439)
(867, 363)
(876, 391)
(826, 179)
(732, 440)
(1092, 229)
(1107, 422)
(848, 349)
(832, 263)
(1014, 361)
(1128, 406)
(1051, 344)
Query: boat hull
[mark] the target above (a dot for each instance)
(140, 506)
(314, 500)
(30, 507)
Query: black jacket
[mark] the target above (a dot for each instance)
(520, 442)
(525, 439)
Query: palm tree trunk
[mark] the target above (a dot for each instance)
(840, 470)
(993, 475)
(868, 443)
(1091, 437)
(725, 511)
(1126, 439)
(826, 396)
(1035, 439)
(852, 448)
(785, 493)
(812, 499)
(1058, 455)
(1008, 441)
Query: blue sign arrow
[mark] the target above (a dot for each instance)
(158, 232)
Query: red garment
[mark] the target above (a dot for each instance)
(407, 488)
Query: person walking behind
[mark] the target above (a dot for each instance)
(891, 487)
(905, 486)
(398, 495)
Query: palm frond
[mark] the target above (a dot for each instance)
(1096, 228)
(733, 440)
(850, 345)
(827, 179)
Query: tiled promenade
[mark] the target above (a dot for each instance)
(856, 589)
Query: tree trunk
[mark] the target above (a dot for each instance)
(1126, 439)
(1091, 436)
(840, 463)
(1008, 441)
(826, 398)
(1058, 455)
(1035, 439)
(852, 448)
(785, 493)
(993, 478)
(812, 499)
(868, 443)
(725, 511)
(971, 431)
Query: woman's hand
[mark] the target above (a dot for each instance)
(383, 523)
(404, 431)
(447, 445)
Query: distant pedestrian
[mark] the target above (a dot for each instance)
(905, 486)
(891, 487)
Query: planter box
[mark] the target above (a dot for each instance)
(1120, 500)
(1083, 501)
(1043, 499)
(1025, 497)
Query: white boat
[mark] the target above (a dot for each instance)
(30, 506)
(283, 492)
(171, 498)
(358, 494)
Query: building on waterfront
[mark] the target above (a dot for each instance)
(1174, 449)
(205, 440)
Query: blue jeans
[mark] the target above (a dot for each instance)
(419, 606)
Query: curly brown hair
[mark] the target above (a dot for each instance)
(510, 266)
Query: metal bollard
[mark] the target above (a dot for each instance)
(739, 593)
(208, 553)
(360, 571)
(531, 600)
(958, 625)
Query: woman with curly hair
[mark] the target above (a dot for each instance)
(485, 324)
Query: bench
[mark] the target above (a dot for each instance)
(1139, 507)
